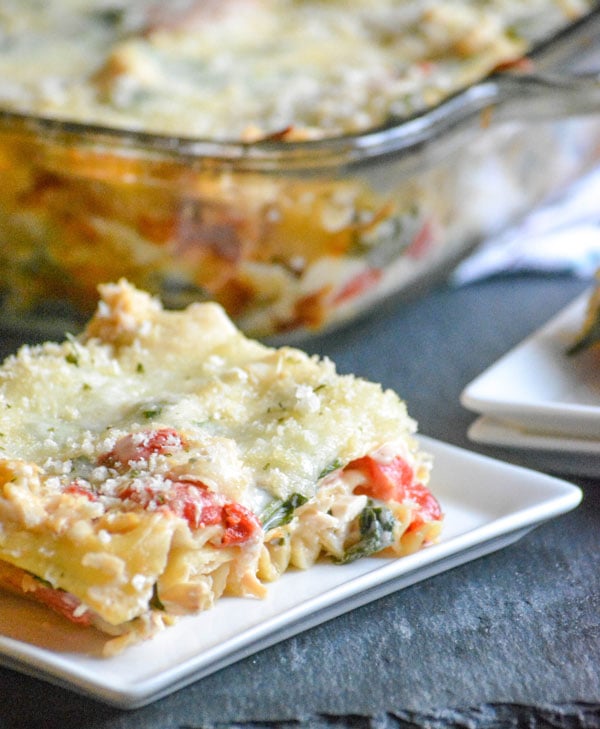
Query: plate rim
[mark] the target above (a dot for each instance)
(496, 431)
(536, 415)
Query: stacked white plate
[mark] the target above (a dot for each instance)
(541, 401)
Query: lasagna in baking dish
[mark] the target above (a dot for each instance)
(295, 69)
(244, 210)
(162, 459)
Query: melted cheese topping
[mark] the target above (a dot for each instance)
(248, 68)
(257, 420)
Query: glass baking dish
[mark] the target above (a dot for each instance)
(292, 238)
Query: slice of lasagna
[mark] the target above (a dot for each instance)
(162, 459)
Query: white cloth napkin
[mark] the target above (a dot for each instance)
(563, 236)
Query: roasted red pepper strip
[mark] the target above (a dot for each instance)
(62, 603)
(360, 284)
(394, 480)
(240, 524)
(193, 501)
(81, 490)
(140, 446)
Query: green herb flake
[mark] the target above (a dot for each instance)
(152, 412)
(72, 356)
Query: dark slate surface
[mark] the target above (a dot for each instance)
(509, 640)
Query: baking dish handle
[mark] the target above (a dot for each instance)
(502, 97)
(543, 96)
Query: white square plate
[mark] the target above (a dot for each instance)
(539, 387)
(569, 456)
(488, 504)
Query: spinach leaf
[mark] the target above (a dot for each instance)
(330, 468)
(278, 512)
(376, 525)
(588, 339)
(155, 601)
